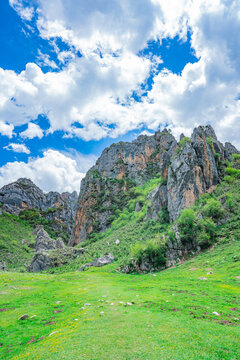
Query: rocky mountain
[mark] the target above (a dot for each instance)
(188, 168)
(56, 211)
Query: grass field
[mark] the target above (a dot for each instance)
(84, 315)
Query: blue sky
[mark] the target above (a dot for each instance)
(76, 77)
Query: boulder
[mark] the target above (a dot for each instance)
(98, 262)
(43, 242)
(50, 252)
(53, 258)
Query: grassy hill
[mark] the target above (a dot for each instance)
(191, 311)
(16, 242)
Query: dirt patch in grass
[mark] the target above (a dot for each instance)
(49, 323)
(6, 309)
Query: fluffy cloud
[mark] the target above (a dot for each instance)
(18, 148)
(32, 131)
(95, 90)
(6, 129)
(52, 172)
(26, 12)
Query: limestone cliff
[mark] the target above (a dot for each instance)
(107, 185)
(188, 168)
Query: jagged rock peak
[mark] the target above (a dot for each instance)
(189, 168)
(196, 167)
(120, 167)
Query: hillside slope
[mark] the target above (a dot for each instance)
(16, 243)
(188, 312)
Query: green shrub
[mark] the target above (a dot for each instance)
(187, 223)
(203, 239)
(183, 141)
(213, 209)
(236, 156)
(230, 202)
(152, 251)
(206, 232)
(235, 173)
(228, 179)
(209, 140)
(163, 215)
(171, 235)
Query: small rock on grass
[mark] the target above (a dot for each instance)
(202, 278)
(24, 317)
(216, 313)
(54, 332)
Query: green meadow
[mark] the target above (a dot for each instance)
(191, 311)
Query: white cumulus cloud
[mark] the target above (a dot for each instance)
(18, 148)
(95, 90)
(32, 131)
(6, 129)
(52, 172)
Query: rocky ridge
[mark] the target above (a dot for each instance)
(188, 168)
(58, 209)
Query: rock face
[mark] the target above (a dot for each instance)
(188, 169)
(196, 167)
(176, 250)
(107, 185)
(159, 200)
(50, 252)
(58, 209)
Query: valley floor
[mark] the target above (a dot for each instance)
(188, 312)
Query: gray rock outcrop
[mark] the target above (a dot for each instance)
(98, 262)
(43, 242)
(58, 209)
(50, 253)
